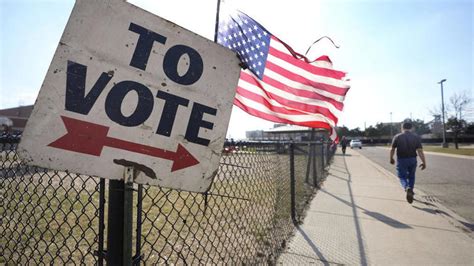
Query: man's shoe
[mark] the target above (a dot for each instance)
(410, 195)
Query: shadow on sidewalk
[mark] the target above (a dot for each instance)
(340, 177)
(376, 215)
(313, 246)
(469, 226)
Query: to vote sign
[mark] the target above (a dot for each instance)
(127, 88)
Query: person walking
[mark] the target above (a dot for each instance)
(407, 145)
(344, 142)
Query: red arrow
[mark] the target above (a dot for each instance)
(90, 138)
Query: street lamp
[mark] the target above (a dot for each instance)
(445, 145)
(391, 126)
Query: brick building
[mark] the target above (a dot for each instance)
(18, 116)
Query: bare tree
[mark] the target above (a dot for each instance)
(437, 110)
(457, 125)
(457, 107)
(459, 103)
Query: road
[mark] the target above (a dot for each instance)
(450, 180)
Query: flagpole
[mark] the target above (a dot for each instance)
(217, 20)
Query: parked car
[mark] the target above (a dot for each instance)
(355, 143)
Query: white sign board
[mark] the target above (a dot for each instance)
(127, 88)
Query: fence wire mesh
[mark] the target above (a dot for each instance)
(46, 216)
(53, 217)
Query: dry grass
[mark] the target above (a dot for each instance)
(450, 150)
(52, 217)
(45, 223)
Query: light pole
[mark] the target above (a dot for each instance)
(391, 126)
(445, 145)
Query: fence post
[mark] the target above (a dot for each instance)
(311, 153)
(313, 160)
(119, 230)
(138, 245)
(292, 182)
(322, 155)
(308, 165)
(100, 252)
(328, 154)
(128, 216)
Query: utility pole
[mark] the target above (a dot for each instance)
(391, 126)
(444, 145)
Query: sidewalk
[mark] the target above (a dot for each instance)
(360, 216)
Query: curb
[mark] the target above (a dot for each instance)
(453, 218)
(438, 154)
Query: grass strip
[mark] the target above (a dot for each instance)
(460, 151)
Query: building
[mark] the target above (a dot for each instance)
(254, 135)
(283, 132)
(18, 116)
(436, 125)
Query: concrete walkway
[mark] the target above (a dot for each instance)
(361, 217)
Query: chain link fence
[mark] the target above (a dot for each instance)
(46, 216)
(247, 216)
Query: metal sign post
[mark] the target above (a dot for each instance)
(120, 220)
(115, 227)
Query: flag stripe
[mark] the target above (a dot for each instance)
(275, 117)
(300, 86)
(315, 70)
(320, 63)
(262, 99)
(254, 112)
(278, 108)
(302, 93)
(287, 99)
(313, 81)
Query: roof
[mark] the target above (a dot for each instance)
(20, 111)
(290, 128)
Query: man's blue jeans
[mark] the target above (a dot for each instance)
(406, 168)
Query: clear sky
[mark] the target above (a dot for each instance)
(395, 52)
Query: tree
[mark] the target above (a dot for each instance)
(356, 132)
(437, 110)
(459, 103)
(420, 127)
(457, 106)
(456, 126)
(371, 132)
(342, 131)
(388, 129)
(470, 128)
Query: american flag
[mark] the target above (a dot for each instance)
(279, 84)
